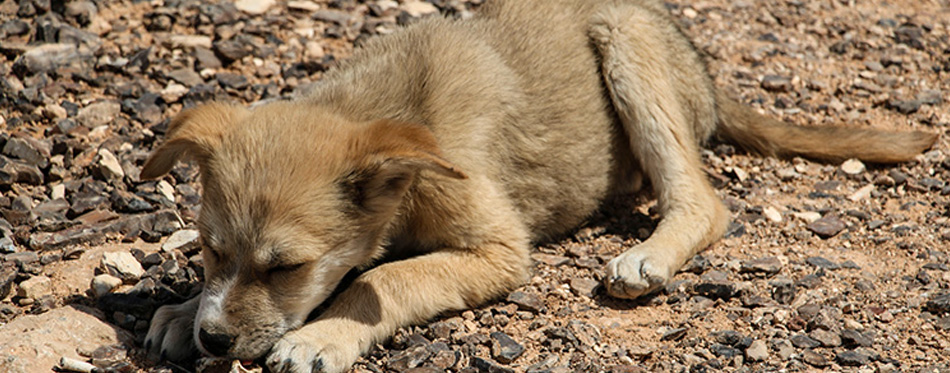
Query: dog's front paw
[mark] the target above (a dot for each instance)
(637, 272)
(170, 335)
(313, 349)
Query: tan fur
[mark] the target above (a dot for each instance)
(456, 144)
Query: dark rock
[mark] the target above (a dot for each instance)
(47, 58)
(232, 49)
(852, 359)
(910, 35)
(674, 334)
(823, 263)
(123, 201)
(505, 349)
(825, 337)
(233, 81)
(815, 359)
(526, 301)
(804, 341)
(27, 151)
(584, 286)
(409, 359)
(206, 59)
(14, 171)
(715, 289)
(488, 366)
(852, 338)
(828, 226)
(697, 264)
(8, 274)
(727, 337)
(939, 304)
(723, 351)
(185, 76)
(783, 290)
(904, 106)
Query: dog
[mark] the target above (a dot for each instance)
(457, 144)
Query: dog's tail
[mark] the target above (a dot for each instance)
(770, 137)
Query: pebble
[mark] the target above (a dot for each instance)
(764, 266)
(807, 216)
(419, 8)
(804, 341)
(939, 304)
(757, 351)
(488, 366)
(674, 334)
(505, 349)
(35, 287)
(777, 83)
(98, 114)
(814, 359)
(109, 165)
(821, 262)
(47, 58)
(104, 284)
(828, 226)
(123, 265)
(190, 41)
(184, 240)
(715, 289)
(852, 358)
(854, 338)
(772, 214)
(826, 338)
(584, 287)
(254, 7)
(526, 301)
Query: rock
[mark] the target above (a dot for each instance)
(852, 359)
(33, 343)
(815, 359)
(26, 151)
(757, 351)
(7, 277)
(254, 7)
(674, 334)
(526, 301)
(853, 167)
(823, 263)
(776, 83)
(584, 287)
(35, 287)
(828, 226)
(715, 289)
(783, 290)
(764, 266)
(488, 366)
(98, 113)
(862, 193)
(854, 338)
(504, 349)
(189, 41)
(122, 264)
(772, 214)
(183, 240)
(939, 304)
(47, 58)
(419, 8)
(826, 338)
(185, 76)
(173, 92)
(104, 284)
(804, 341)
(109, 165)
(551, 260)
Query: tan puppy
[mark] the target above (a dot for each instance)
(457, 143)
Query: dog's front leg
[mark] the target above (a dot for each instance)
(399, 294)
(170, 335)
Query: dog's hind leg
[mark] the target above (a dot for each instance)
(648, 68)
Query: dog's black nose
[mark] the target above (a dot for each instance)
(216, 344)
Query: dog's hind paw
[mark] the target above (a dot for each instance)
(312, 349)
(170, 335)
(636, 272)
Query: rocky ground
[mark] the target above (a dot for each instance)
(826, 266)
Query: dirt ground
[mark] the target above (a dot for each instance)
(840, 267)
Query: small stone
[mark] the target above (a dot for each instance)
(821, 262)
(254, 7)
(488, 366)
(862, 193)
(674, 334)
(828, 226)
(183, 240)
(854, 338)
(727, 337)
(47, 58)
(853, 167)
(551, 260)
(852, 358)
(757, 351)
(826, 338)
(808, 216)
(98, 114)
(715, 289)
(185, 76)
(419, 8)
(766, 266)
(584, 286)
(526, 301)
(173, 92)
(35, 287)
(814, 359)
(233, 81)
(122, 264)
(783, 348)
(783, 290)
(939, 304)
(190, 41)
(504, 348)
(804, 341)
(777, 83)
(109, 165)
(104, 284)
(8, 274)
(772, 214)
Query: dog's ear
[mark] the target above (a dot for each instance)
(394, 154)
(195, 132)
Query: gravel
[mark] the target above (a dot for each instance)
(826, 266)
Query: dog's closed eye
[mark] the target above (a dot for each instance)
(284, 268)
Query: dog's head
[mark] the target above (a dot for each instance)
(294, 197)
